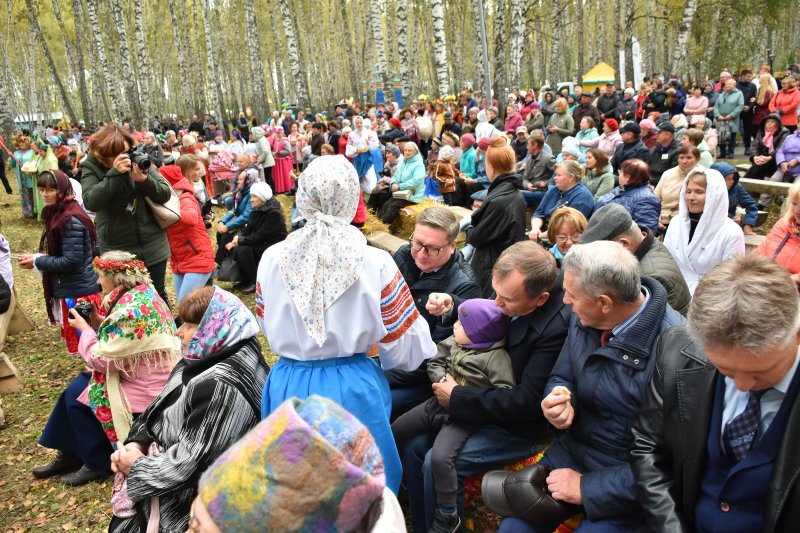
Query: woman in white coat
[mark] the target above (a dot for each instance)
(702, 235)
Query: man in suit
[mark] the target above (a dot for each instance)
(715, 443)
(527, 286)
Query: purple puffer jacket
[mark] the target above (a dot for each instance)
(790, 149)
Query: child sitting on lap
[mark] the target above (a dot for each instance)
(475, 356)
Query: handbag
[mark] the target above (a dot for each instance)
(229, 270)
(166, 214)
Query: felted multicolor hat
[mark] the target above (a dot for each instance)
(309, 466)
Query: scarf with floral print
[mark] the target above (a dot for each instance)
(226, 322)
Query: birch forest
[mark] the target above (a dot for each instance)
(100, 60)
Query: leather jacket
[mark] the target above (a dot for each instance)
(670, 437)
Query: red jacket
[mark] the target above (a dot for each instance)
(189, 242)
(788, 102)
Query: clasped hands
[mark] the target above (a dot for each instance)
(122, 460)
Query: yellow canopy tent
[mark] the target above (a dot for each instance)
(598, 75)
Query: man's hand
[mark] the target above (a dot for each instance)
(443, 390)
(534, 235)
(565, 485)
(439, 303)
(233, 244)
(222, 228)
(558, 409)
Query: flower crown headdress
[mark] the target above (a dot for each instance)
(131, 266)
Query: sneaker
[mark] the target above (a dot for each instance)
(84, 476)
(445, 523)
(64, 463)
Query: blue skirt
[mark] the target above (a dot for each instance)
(356, 383)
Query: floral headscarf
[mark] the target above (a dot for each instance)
(324, 258)
(226, 322)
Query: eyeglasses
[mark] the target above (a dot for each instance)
(564, 238)
(416, 246)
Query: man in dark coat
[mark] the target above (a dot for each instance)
(607, 103)
(430, 264)
(527, 287)
(602, 373)
(585, 109)
(749, 91)
(613, 222)
(664, 155)
(715, 443)
(631, 147)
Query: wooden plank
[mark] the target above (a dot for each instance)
(9, 382)
(752, 242)
(6, 368)
(768, 187)
(743, 167)
(385, 241)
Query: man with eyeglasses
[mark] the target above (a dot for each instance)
(528, 288)
(430, 263)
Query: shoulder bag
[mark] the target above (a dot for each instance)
(166, 214)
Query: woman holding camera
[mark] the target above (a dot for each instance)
(130, 352)
(115, 189)
(65, 252)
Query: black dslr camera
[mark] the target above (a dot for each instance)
(140, 159)
(84, 309)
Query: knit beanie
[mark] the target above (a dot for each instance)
(262, 190)
(446, 153)
(612, 124)
(309, 466)
(483, 322)
(484, 144)
(571, 149)
(393, 149)
(647, 124)
(468, 139)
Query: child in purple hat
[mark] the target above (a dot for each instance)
(475, 355)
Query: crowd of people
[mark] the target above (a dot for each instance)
(602, 311)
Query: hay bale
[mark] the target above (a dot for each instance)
(403, 225)
(373, 224)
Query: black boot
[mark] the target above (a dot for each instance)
(84, 476)
(64, 463)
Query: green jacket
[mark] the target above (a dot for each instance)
(600, 184)
(730, 104)
(472, 368)
(124, 221)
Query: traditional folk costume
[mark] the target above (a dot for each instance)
(284, 161)
(366, 162)
(324, 298)
(25, 181)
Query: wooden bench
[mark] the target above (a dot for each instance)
(385, 241)
(751, 242)
(775, 188)
(743, 167)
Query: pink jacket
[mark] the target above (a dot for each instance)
(140, 389)
(513, 122)
(606, 142)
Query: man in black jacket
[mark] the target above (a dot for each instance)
(715, 442)
(511, 426)
(607, 103)
(430, 264)
(664, 155)
(749, 90)
(631, 147)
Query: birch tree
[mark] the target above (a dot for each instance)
(499, 29)
(581, 39)
(181, 89)
(254, 56)
(684, 31)
(402, 48)
(556, 53)
(440, 48)
(69, 50)
(377, 38)
(80, 63)
(127, 74)
(517, 35)
(216, 89)
(145, 69)
(100, 51)
(294, 58)
(39, 38)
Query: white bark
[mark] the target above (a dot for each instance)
(145, 69)
(685, 30)
(294, 57)
(80, 63)
(580, 33)
(184, 89)
(500, 64)
(216, 91)
(439, 48)
(651, 42)
(254, 55)
(39, 37)
(100, 52)
(556, 53)
(127, 74)
(377, 38)
(402, 47)
(517, 36)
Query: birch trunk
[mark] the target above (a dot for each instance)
(517, 36)
(601, 35)
(556, 53)
(145, 70)
(651, 43)
(377, 38)
(477, 48)
(6, 104)
(293, 49)
(216, 90)
(685, 30)
(254, 55)
(39, 38)
(180, 89)
(86, 102)
(402, 47)
(581, 35)
(73, 72)
(500, 64)
(127, 74)
(439, 48)
(628, 38)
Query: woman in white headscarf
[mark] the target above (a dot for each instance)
(324, 299)
(362, 142)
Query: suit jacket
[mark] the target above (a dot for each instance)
(670, 437)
